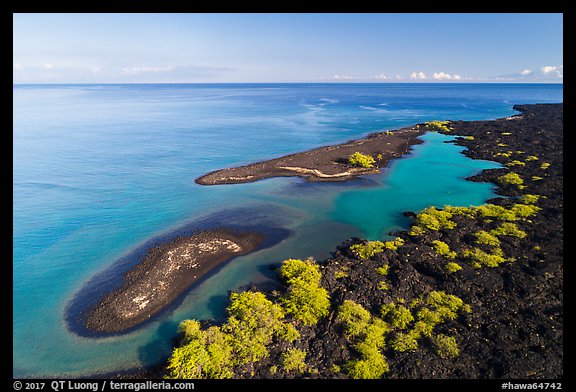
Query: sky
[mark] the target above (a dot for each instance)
(284, 48)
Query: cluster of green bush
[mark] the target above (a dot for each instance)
(437, 126)
(361, 160)
(254, 322)
(368, 335)
(398, 328)
(510, 179)
(370, 248)
(305, 299)
(432, 219)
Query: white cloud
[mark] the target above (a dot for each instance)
(343, 77)
(48, 66)
(138, 70)
(445, 76)
(398, 77)
(553, 70)
(418, 75)
(525, 72)
(381, 76)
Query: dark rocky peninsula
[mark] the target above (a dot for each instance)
(328, 163)
(166, 271)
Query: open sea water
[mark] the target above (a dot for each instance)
(100, 170)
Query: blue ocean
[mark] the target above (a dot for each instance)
(101, 170)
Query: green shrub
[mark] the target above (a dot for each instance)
(383, 270)
(445, 346)
(478, 258)
(532, 158)
(544, 165)
(515, 163)
(509, 229)
(305, 299)
(293, 360)
(510, 179)
(405, 341)
(537, 178)
(443, 249)
(496, 212)
(381, 285)
(396, 315)
(369, 249)
(252, 323)
(361, 160)
(453, 267)
(434, 219)
(368, 335)
(354, 317)
(393, 245)
(524, 211)
(437, 126)
(529, 199)
(205, 354)
(469, 137)
(287, 332)
(485, 238)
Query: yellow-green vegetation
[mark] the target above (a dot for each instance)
(453, 267)
(515, 163)
(469, 137)
(537, 178)
(381, 285)
(383, 270)
(432, 219)
(371, 248)
(368, 336)
(519, 152)
(443, 249)
(400, 328)
(361, 160)
(398, 316)
(544, 165)
(428, 311)
(485, 238)
(509, 229)
(529, 199)
(510, 179)
(532, 158)
(437, 126)
(253, 323)
(204, 353)
(506, 133)
(379, 156)
(503, 154)
(341, 273)
(445, 346)
(479, 258)
(514, 213)
(502, 145)
(489, 213)
(305, 299)
(293, 360)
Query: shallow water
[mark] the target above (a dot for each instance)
(101, 169)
